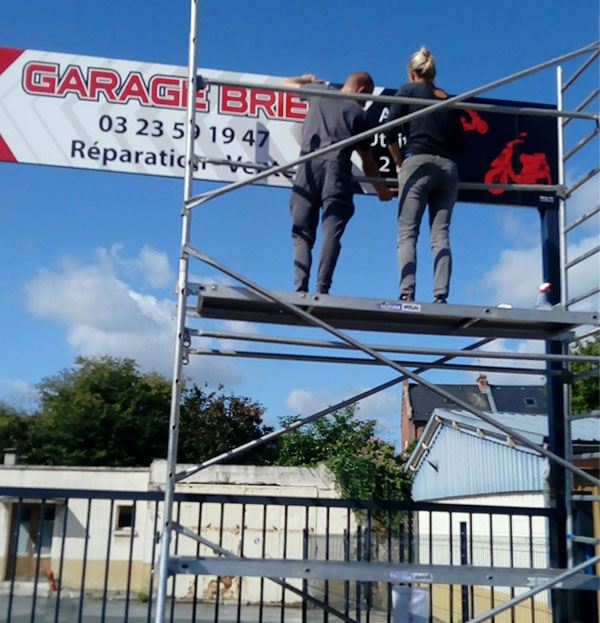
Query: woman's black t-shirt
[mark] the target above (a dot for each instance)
(439, 133)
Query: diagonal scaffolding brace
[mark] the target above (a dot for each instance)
(310, 319)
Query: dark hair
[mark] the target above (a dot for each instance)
(361, 79)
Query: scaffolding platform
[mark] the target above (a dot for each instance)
(394, 316)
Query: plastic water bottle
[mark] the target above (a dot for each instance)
(541, 300)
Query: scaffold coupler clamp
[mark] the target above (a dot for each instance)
(562, 192)
(186, 343)
(566, 376)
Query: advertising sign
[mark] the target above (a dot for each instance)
(500, 148)
(126, 116)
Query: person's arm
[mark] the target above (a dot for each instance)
(396, 152)
(391, 136)
(371, 170)
(297, 81)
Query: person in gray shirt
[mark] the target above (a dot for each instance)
(326, 182)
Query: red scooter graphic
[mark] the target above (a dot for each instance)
(534, 168)
(474, 122)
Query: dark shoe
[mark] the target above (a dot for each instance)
(440, 299)
(407, 297)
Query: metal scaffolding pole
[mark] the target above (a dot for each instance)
(165, 543)
(413, 350)
(398, 99)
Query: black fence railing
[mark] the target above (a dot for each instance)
(86, 556)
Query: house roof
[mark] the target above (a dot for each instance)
(521, 399)
(459, 454)
(533, 427)
(525, 399)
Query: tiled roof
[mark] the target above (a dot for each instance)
(527, 399)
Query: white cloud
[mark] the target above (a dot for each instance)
(515, 278)
(156, 267)
(584, 276)
(584, 199)
(239, 326)
(19, 394)
(104, 315)
(219, 279)
(303, 402)
(516, 226)
(384, 407)
(518, 273)
(378, 405)
(508, 378)
(151, 265)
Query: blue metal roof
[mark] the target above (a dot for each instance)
(459, 462)
(459, 454)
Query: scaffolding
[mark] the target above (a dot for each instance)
(557, 327)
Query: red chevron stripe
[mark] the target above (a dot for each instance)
(7, 57)
(6, 154)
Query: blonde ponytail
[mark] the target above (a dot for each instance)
(423, 64)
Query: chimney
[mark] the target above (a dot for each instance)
(484, 388)
(482, 383)
(10, 457)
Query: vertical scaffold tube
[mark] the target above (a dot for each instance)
(163, 567)
(562, 207)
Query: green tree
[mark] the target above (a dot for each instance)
(365, 467)
(105, 412)
(102, 411)
(585, 396)
(14, 429)
(317, 442)
(213, 423)
(375, 473)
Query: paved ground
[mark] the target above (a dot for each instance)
(115, 612)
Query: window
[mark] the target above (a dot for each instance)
(530, 402)
(124, 518)
(31, 527)
(47, 530)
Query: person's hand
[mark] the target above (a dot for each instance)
(384, 193)
(310, 78)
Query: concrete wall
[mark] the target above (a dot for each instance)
(263, 534)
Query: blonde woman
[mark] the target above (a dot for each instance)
(427, 176)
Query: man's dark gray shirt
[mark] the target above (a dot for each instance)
(330, 120)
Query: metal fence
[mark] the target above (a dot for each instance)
(87, 556)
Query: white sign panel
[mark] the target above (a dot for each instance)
(115, 115)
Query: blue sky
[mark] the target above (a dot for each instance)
(89, 258)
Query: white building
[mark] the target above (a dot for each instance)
(66, 543)
(460, 459)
